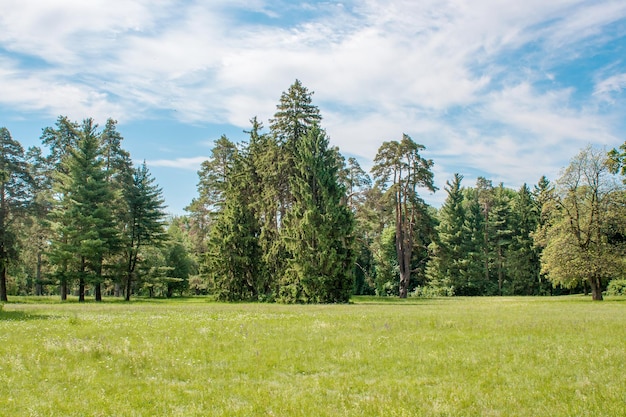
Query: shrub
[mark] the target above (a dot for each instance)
(616, 287)
(431, 292)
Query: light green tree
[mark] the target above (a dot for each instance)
(576, 236)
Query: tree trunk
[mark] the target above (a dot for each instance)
(98, 284)
(63, 290)
(405, 273)
(3, 285)
(128, 286)
(117, 291)
(81, 290)
(596, 289)
(38, 285)
(500, 275)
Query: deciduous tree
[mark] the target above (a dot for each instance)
(576, 244)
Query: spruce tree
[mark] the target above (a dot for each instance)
(523, 264)
(82, 215)
(143, 221)
(318, 231)
(473, 274)
(449, 255)
(233, 257)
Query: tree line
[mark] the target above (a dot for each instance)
(82, 218)
(283, 216)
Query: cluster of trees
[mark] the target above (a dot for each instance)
(271, 220)
(82, 218)
(275, 208)
(284, 216)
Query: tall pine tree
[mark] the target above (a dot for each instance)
(15, 186)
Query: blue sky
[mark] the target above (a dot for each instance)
(507, 90)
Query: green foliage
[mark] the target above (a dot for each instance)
(449, 251)
(401, 170)
(83, 218)
(318, 228)
(576, 245)
(143, 220)
(616, 287)
(15, 196)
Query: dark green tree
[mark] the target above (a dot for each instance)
(234, 257)
(37, 225)
(178, 264)
(500, 229)
(143, 221)
(59, 140)
(445, 270)
(523, 265)
(82, 216)
(295, 115)
(401, 170)
(473, 280)
(15, 196)
(213, 176)
(318, 230)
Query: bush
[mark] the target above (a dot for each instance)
(431, 292)
(616, 287)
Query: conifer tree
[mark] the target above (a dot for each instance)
(234, 256)
(213, 176)
(500, 228)
(143, 221)
(82, 216)
(318, 229)
(59, 140)
(523, 264)
(401, 170)
(473, 275)
(295, 116)
(15, 196)
(449, 252)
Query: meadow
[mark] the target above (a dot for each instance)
(561, 356)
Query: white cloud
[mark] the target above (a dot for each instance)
(613, 84)
(189, 164)
(458, 76)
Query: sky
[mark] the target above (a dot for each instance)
(508, 90)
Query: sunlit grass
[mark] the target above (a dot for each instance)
(443, 357)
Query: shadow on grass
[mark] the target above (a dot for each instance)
(22, 316)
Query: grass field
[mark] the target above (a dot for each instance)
(442, 357)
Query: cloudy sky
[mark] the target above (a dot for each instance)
(509, 90)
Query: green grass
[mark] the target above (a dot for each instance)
(375, 357)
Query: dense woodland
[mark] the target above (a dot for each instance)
(283, 216)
